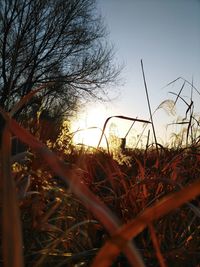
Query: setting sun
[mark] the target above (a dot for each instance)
(88, 136)
(87, 127)
(89, 123)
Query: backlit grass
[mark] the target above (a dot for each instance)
(63, 206)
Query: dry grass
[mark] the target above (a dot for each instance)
(66, 207)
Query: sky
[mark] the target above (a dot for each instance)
(166, 36)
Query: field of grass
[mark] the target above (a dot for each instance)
(63, 206)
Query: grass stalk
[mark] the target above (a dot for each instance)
(87, 197)
(119, 117)
(149, 106)
(11, 224)
(156, 246)
(112, 248)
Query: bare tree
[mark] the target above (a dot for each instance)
(45, 41)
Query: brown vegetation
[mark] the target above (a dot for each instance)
(71, 206)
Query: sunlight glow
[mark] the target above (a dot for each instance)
(87, 126)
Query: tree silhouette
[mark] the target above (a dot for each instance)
(58, 43)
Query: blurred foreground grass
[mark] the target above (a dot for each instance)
(64, 206)
(60, 227)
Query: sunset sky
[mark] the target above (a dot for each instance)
(166, 36)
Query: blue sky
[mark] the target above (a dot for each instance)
(166, 36)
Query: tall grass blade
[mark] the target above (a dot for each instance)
(11, 226)
(119, 241)
(156, 246)
(172, 82)
(73, 179)
(178, 95)
(188, 130)
(24, 100)
(189, 109)
(179, 123)
(129, 130)
(186, 81)
(119, 117)
(180, 98)
(149, 106)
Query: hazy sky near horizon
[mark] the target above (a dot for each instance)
(166, 36)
